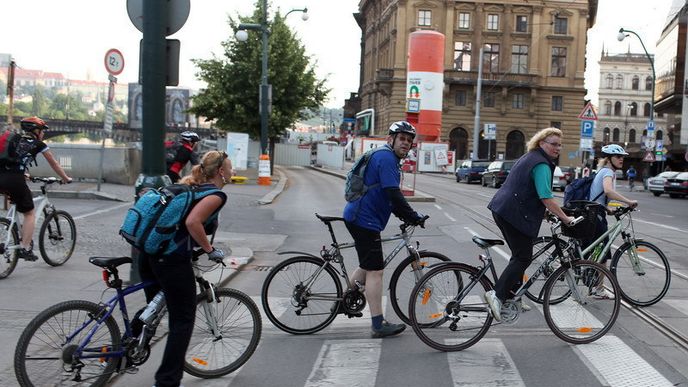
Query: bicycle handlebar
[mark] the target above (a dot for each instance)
(420, 222)
(46, 180)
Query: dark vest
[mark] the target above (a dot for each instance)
(517, 201)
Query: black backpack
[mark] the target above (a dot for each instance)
(579, 189)
(12, 150)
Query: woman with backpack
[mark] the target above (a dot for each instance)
(602, 190)
(173, 272)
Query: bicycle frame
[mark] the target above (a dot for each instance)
(40, 203)
(612, 233)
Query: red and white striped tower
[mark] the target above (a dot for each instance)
(425, 82)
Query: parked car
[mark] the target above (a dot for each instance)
(559, 180)
(471, 170)
(496, 173)
(620, 175)
(569, 173)
(656, 184)
(677, 186)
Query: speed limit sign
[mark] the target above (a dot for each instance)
(114, 61)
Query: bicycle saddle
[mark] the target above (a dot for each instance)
(485, 243)
(328, 218)
(109, 261)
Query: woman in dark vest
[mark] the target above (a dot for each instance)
(518, 208)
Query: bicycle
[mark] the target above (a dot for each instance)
(643, 280)
(448, 311)
(79, 342)
(56, 238)
(315, 293)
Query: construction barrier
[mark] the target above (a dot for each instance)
(264, 170)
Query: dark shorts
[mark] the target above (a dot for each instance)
(368, 247)
(20, 194)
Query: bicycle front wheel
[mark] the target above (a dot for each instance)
(642, 271)
(226, 333)
(300, 297)
(447, 307)
(45, 353)
(405, 277)
(57, 238)
(8, 257)
(591, 305)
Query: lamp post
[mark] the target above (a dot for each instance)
(621, 36)
(242, 36)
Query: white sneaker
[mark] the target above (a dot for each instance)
(524, 307)
(603, 294)
(495, 304)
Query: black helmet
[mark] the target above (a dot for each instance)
(402, 127)
(30, 123)
(189, 136)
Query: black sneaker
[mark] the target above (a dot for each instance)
(387, 329)
(25, 254)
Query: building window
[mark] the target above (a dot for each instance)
(648, 83)
(610, 81)
(615, 135)
(631, 136)
(558, 62)
(460, 98)
(619, 81)
(555, 124)
(560, 25)
(490, 98)
(660, 135)
(519, 59)
(464, 20)
(605, 135)
(518, 101)
(635, 82)
(608, 108)
(424, 17)
(617, 108)
(492, 22)
(521, 23)
(557, 103)
(634, 109)
(646, 110)
(491, 58)
(515, 145)
(462, 56)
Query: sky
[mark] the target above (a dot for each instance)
(73, 36)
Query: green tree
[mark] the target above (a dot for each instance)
(232, 95)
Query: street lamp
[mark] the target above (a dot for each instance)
(621, 36)
(242, 36)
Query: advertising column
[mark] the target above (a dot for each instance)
(425, 83)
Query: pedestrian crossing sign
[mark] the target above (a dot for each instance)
(588, 113)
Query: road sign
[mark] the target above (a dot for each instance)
(586, 143)
(659, 144)
(587, 127)
(177, 13)
(649, 157)
(114, 61)
(490, 131)
(588, 113)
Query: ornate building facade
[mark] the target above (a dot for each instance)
(533, 67)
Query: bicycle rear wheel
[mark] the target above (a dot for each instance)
(642, 271)
(297, 300)
(405, 277)
(584, 316)
(57, 238)
(439, 319)
(8, 257)
(45, 351)
(238, 322)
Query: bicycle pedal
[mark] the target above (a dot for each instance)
(352, 315)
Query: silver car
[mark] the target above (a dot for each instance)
(656, 184)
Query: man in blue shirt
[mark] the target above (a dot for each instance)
(366, 217)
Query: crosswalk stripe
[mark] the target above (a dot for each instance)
(680, 305)
(631, 371)
(346, 363)
(487, 364)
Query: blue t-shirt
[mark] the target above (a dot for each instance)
(597, 186)
(372, 211)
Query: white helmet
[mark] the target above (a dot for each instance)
(614, 150)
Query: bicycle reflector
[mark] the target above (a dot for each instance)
(104, 349)
(584, 329)
(199, 361)
(426, 296)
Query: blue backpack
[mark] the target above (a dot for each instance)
(355, 187)
(152, 223)
(579, 189)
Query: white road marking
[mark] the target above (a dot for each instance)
(680, 305)
(346, 363)
(450, 217)
(438, 207)
(102, 211)
(660, 225)
(487, 363)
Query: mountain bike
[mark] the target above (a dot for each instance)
(78, 343)
(640, 267)
(303, 295)
(448, 311)
(56, 238)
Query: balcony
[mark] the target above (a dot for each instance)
(492, 79)
(384, 75)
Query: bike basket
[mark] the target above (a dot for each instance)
(586, 228)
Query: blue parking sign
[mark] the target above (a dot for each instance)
(587, 128)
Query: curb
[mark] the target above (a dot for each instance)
(270, 197)
(418, 197)
(91, 195)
